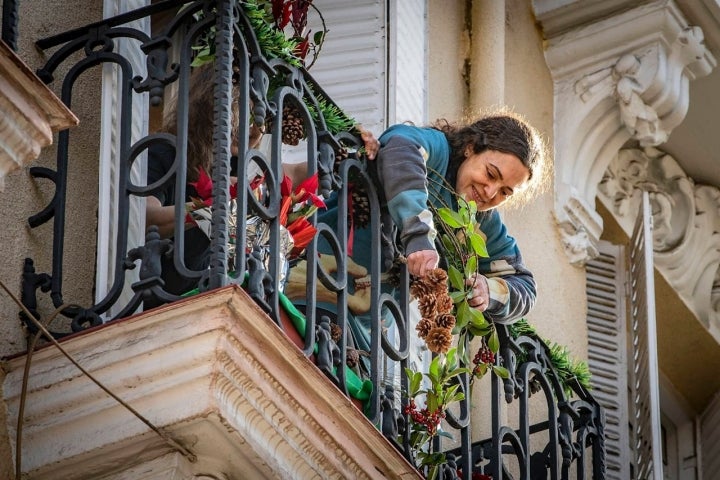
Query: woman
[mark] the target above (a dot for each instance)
(490, 161)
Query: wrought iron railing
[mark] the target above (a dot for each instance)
(254, 88)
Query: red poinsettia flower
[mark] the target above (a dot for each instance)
(203, 186)
(307, 190)
(286, 186)
(302, 232)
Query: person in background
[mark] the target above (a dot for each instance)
(160, 209)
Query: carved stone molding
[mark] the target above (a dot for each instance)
(623, 78)
(215, 374)
(29, 114)
(686, 224)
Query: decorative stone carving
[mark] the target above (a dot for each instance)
(29, 114)
(686, 224)
(625, 77)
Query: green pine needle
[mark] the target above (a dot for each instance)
(568, 370)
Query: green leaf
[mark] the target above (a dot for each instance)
(477, 318)
(434, 368)
(494, 341)
(457, 296)
(319, 37)
(415, 379)
(477, 242)
(451, 358)
(447, 243)
(456, 278)
(432, 402)
(457, 397)
(501, 372)
(480, 331)
(471, 266)
(481, 370)
(450, 218)
(462, 314)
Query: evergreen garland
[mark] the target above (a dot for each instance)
(568, 370)
(274, 44)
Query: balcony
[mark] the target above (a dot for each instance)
(232, 377)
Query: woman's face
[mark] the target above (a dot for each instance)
(490, 178)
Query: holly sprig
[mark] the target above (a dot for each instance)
(427, 405)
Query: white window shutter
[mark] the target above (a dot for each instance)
(607, 352)
(110, 159)
(710, 441)
(647, 439)
(408, 62)
(352, 64)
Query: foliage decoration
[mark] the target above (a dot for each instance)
(448, 325)
(270, 20)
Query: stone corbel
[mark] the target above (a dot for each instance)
(623, 78)
(686, 224)
(29, 114)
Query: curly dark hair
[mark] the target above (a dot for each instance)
(503, 132)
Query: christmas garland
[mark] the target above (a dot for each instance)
(275, 44)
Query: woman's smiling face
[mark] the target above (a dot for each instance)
(490, 178)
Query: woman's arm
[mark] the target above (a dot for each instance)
(510, 287)
(162, 216)
(402, 173)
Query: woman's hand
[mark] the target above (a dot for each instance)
(371, 143)
(422, 262)
(479, 296)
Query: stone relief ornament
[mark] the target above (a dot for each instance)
(639, 118)
(686, 223)
(625, 78)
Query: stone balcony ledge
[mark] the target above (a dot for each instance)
(216, 374)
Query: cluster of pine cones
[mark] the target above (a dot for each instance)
(435, 307)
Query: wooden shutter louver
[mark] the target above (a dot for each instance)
(607, 352)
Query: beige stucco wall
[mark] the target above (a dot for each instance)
(561, 308)
(24, 196)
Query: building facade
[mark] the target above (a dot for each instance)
(625, 95)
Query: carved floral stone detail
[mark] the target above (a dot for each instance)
(686, 224)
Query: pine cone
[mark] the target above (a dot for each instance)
(423, 327)
(438, 278)
(439, 340)
(292, 125)
(360, 205)
(352, 358)
(420, 287)
(341, 154)
(443, 303)
(428, 306)
(445, 320)
(335, 333)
